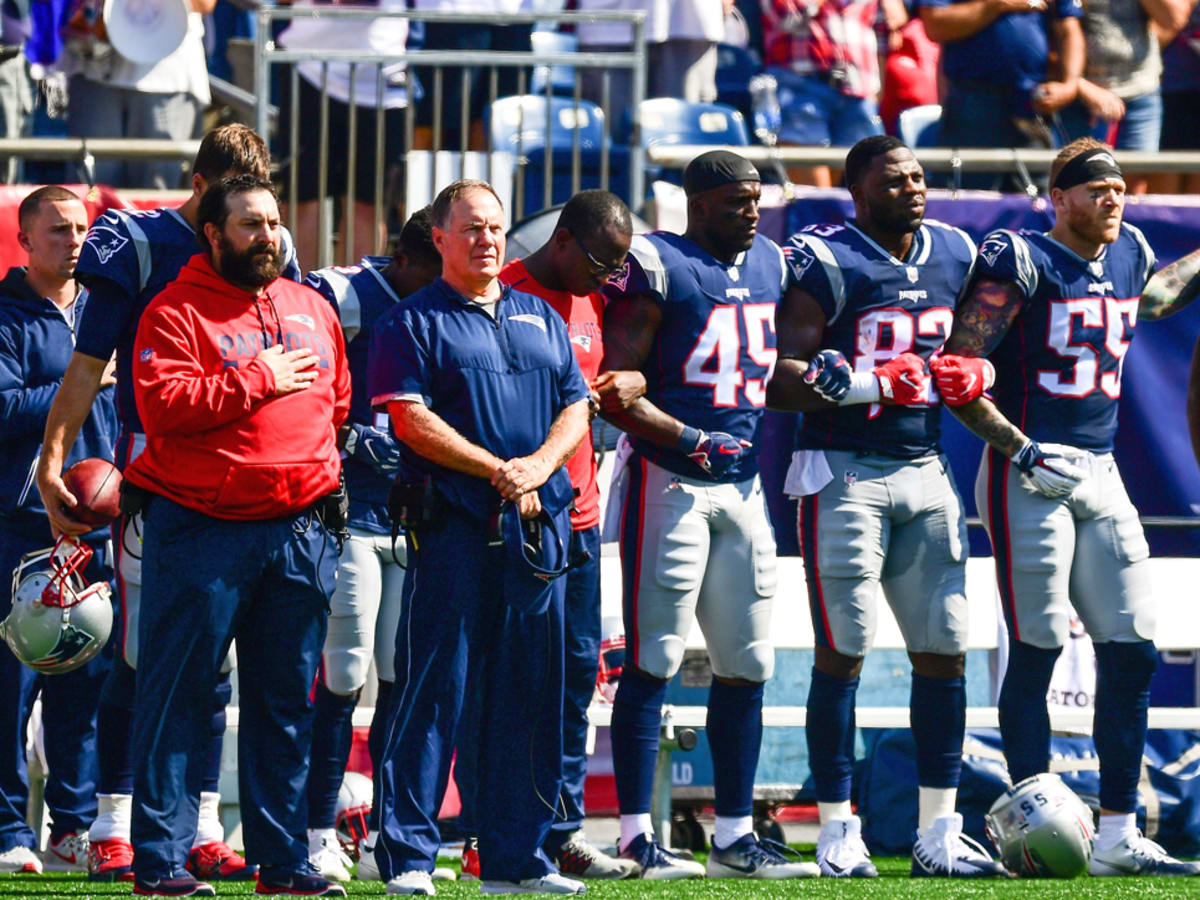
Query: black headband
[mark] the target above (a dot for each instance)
(716, 168)
(1090, 165)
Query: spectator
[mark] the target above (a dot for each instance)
(39, 306)
(910, 76)
(825, 58)
(16, 92)
(240, 448)
(1119, 100)
(996, 59)
(1181, 105)
(110, 96)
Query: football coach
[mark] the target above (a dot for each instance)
(484, 393)
(240, 378)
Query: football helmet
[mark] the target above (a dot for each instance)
(612, 661)
(353, 807)
(58, 621)
(1041, 829)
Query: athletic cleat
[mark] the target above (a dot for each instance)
(550, 883)
(325, 855)
(943, 851)
(68, 854)
(752, 857)
(841, 852)
(20, 860)
(414, 881)
(295, 884)
(657, 864)
(441, 873)
(1138, 855)
(470, 859)
(184, 885)
(110, 860)
(581, 859)
(217, 861)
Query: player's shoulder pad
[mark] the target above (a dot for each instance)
(1006, 255)
(644, 269)
(958, 240)
(336, 285)
(808, 253)
(771, 249)
(1144, 245)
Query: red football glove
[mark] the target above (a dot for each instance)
(961, 379)
(902, 380)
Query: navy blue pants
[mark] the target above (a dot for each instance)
(456, 621)
(69, 704)
(581, 654)
(206, 581)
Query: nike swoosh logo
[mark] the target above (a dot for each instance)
(835, 867)
(67, 859)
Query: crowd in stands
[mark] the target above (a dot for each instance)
(1009, 73)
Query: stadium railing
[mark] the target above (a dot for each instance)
(268, 55)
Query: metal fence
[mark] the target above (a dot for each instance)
(269, 55)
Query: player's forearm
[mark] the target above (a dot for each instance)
(429, 435)
(646, 421)
(1193, 402)
(70, 409)
(788, 392)
(1071, 50)
(1171, 288)
(988, 423)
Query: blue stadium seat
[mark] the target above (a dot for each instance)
(562, 78)
(735, 67)
(667, 120)
(919, 125)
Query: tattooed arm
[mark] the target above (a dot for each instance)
(981, 322)
(1193, 402)
(800, 324)
(1171, 288)
(630, 326)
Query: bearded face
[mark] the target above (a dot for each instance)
(254, 267)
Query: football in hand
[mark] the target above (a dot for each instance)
(96, 484)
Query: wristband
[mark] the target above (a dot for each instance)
(864, 388)
(689, 440)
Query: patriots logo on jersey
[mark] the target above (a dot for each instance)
(798, 259)
(583, 340)
(991, 249)
(106, 242)
(620, 278)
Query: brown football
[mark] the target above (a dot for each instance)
(96, 484)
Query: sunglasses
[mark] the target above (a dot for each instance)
(599, 269)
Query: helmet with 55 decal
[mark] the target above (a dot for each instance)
(1041, 829)
(58, 621)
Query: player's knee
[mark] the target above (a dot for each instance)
(661, 659)
(837, 665)
(345, 671)
(938, 665)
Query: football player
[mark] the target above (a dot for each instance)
(869, 303)
(127, 259)
(365, 609)
(696, 314)
(1046, 322)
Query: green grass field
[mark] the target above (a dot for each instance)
(893, 882)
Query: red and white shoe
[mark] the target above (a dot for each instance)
(20, 860)
(110, 860)
(217, 861)
(68, 854)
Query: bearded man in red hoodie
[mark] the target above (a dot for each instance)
(240, 378)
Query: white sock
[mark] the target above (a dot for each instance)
(1113, 828)
(933, 804)
(112, 817)
(730, 828)
(834, 812)
(634, 826)
(208, 822)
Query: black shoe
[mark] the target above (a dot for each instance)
(295, 884)
(184, 885)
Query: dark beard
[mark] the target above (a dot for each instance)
(254, 267)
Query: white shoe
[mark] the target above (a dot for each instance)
(367, 869)
(325, 855)
(551, 883)
(20, 859)
(414, 881)
(1138, 855)
(657, 863)
(69, 855)
(750, 857)
(943, 851)
(441, 873)
(841, 852)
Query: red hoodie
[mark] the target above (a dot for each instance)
(217, 439)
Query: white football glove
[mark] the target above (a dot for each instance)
(1054, 470)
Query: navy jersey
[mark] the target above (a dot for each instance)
(877, 307)
(361, 295)
(139, 252)
(499, 382)
(1058, 370)
(715, 348)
